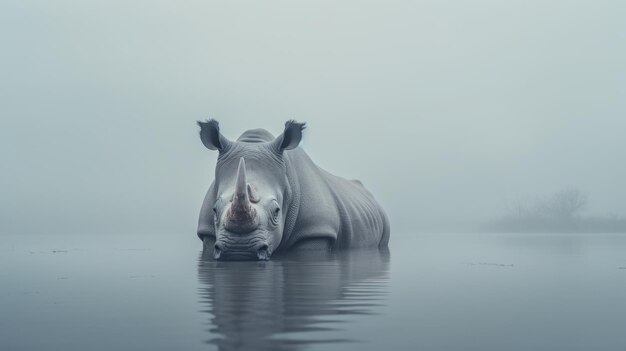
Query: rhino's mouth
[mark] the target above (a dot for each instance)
(224, 252)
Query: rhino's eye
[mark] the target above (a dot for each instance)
(275, 214)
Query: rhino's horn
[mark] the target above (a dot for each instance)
(241, 186)
(241, 216)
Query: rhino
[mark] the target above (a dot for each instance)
(269, 197)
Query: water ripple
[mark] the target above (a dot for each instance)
(292, 301)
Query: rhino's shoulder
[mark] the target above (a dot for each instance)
(357, 182)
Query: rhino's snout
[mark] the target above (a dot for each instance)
(241, 251)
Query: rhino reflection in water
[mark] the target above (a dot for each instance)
(257, 305)
(268, 196)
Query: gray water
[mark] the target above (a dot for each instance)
(428, 292)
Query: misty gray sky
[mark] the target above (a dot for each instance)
(444, 109)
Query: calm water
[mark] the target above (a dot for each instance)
(428, 292)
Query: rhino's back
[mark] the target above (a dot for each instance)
(335, 208)
(363, 221)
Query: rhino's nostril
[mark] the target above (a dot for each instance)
(263, 253)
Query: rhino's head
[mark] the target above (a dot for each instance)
(251, 190)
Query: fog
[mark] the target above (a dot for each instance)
(445, 110)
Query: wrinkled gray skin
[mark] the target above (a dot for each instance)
(268, 196)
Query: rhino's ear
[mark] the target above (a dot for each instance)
(211, 136)
(290, 138)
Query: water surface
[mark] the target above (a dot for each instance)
(428, 292)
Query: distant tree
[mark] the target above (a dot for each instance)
(564, 204)
(559, 212)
